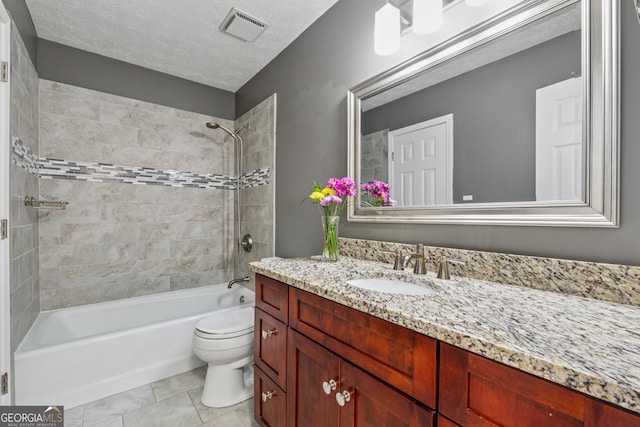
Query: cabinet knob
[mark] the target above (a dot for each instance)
(268, 395)
(329, 386)
(268, 333)
(343, 398)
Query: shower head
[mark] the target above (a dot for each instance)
(212, 125)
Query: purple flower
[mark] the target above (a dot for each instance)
(343, 187)
(380, 192)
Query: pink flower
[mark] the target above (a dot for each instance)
(327, 200)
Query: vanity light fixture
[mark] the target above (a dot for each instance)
(387, 30)
(427, 16)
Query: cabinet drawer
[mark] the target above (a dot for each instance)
(402, 358)
(270, 401)
(270, 347)
(272, 297)
(480, 392)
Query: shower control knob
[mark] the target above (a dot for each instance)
(343, 398)
(329, 386)
(267, 395)
(268, 333)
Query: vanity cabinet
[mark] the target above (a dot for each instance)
(320, 363)
(475, 391)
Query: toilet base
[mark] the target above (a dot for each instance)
(227, 385)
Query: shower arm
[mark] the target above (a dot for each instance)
(238, 170)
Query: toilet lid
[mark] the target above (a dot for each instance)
(227, 322)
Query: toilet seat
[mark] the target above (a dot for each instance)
(226, 324)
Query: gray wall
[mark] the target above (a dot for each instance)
(492, 163)
(311, 78)
(22, 19)
(77, 67)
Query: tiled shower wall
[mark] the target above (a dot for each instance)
(257, 217)
(25, 287)
(375, 158)
(118, 240)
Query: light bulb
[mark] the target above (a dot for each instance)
(427, 16)
(387, 30)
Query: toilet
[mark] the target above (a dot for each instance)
(225, 341)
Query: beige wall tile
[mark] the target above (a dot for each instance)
(119, 240)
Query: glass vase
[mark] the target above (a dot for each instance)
(330, 228)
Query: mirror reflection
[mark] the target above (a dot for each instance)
(500, 123)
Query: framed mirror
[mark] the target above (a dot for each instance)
(513, 122)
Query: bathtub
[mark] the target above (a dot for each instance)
(76, 355)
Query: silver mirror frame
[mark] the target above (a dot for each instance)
(600, 66)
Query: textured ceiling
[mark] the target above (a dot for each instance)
(180, 38)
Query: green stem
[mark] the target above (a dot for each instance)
(330, 252)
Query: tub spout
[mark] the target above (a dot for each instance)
(244, 279)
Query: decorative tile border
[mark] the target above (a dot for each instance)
(50, 168)
(255, 178)
(606, 282)
(24, 157)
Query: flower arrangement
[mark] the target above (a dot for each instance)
(331, 200)
(378, 194)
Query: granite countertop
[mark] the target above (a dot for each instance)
(584, 344)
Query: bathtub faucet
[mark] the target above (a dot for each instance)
(244, 279)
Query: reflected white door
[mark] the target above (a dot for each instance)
(421, 163)
(559, 141)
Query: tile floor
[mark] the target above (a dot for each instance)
(171, 402)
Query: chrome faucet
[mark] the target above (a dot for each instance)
(231, 282)
(419, 265)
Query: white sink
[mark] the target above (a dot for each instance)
(391, 286)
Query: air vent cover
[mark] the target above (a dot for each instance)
(242, 25)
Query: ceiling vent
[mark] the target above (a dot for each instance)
(242, 25)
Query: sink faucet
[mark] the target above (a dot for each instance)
(443, 266)
(400, 262)
(244, 279)
(419, 266)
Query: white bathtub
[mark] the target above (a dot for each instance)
(75, 355)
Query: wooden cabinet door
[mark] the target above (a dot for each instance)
(396, 355)
(309, 365)
(444, 422)
(475, 391)
(372, 403)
